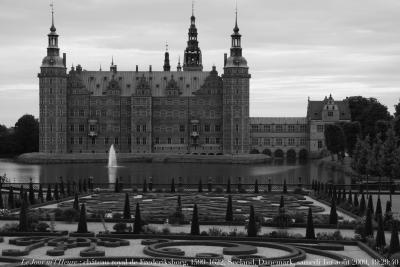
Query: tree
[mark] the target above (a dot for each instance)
(116, 186)
(11, 202)
(355, 201)
(23, 216)
(31, 193)
(281, 203)
(48, 193)
(310, 232)
(256, 187)
(381, 127)
(394, 239)
(360, 155)
(229, 210)
(380, 235)
(1, 197)
(55, 192)
(362, 206)
(333, 217)
(27, 134)
(200, 186)
(228, 186)
(137, 226)
(370, 204)
(352, 131)
(80, 186)
(82, 225)
(62, 188)
(387, 157)
(195, 227)
(69, 192)
(84, 185)
(378, 210)
(388, 212)
(350, 198)
(40, 194)
(252, 226)
(334, 139)
(396, 125)
(76, 202)
(173, 186)
(127, 207)
(368, 227)
(397, 109)
(284, 187)
(367, 111)
(144, 185)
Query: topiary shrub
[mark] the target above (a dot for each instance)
(120, 227)
(42, 227)
(282, 220)
(219, 189)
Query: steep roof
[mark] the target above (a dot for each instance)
(314, 109)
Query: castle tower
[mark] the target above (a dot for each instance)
(53, 97)
(236, 132)
(166, 66)
(192, 57)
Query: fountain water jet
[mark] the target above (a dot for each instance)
(112, 157)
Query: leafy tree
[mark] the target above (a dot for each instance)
(62, 188)
(388, 212)
(127, 207)
(352, 131)
(381, 127)
(11, 202)
(137, 226)
(229, 210)
(396, 165)
(27, 134)
(387, 157)
(394, 239)
(334, 139)
(396, 125)
(82, 225)
(310, 232)
(360, 155)
(333, 217)
(397, 109)
(374, 155)
(380, 235)
(367, 111)
(252, 226)
(195, 227)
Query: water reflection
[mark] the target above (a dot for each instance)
(277, 171)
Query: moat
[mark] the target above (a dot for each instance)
(277, 171)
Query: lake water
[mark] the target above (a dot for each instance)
(163, 172)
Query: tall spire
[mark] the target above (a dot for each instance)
(166, 66)
(52, 28)
(236, 49)
(179, 68)
(236, 29)
(192, 58)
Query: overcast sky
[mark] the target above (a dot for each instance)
(295, 48)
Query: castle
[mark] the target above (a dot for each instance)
(187, 110)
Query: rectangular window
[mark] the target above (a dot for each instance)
(92, 128)
(129, 140)
(72, 140)
(319, 144)
(93, 141)
(116, 140)
(254, 128)
(157, 140)
(137, 128)
(169, 140)
(217, 128)
(144, 141)
(207, 127)
(290, 128)
(103, 113)
(144, 128)
(181, 128)
(267, 142)
(254, 141)
(194, 127)
(267, 128)
(182, 140)
(81, 113)
(137, 140)
(236, 141)
(72, 127)
(291, 141)
(302, 128)
(237, 127)
(207, 140)
(80, 141)
(278, 128)
(302, 141)
(217, 140)
(278, 141)
(81, 127)
(106, 140)
(320, 128)
(330, 113)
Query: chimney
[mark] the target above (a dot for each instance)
(65, 60)
(149, 68)
(225, 57)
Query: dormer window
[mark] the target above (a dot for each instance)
(105, 78)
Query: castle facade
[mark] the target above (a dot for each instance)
(187, 110)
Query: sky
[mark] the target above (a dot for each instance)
(295, 49)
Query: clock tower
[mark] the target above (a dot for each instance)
(236, 77)
(53, 97)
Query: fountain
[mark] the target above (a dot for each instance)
(112, 158)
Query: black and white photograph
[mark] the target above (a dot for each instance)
(205, 133)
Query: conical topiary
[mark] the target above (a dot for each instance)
(200, 186)
(31, 193)
(40, 194)
(82, 225)
(378, 210)
(339, 196)
(229, 210)
(284, 187)
(269, 185)
(362, 207)
(62, 188)
(23, 216)
(144, 189)
(127, 207)
(355, 201)
(281, 203)
(137, 226)
(55, 193)
(368, 227)
(48, 193)
(1, 197)
(69, 192)
(256, 187)
(252, 226)
(76, 202)
(80, 186)
(195, 227)
(370, 205)
(388, 211)
(310, 232)
(173, 185)
(350, 198)
(333, 217)
(344, 195)
(11, 202)
(116, 185)
(394, 239)
(84, 185)
(228, 186)
(380, 235)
